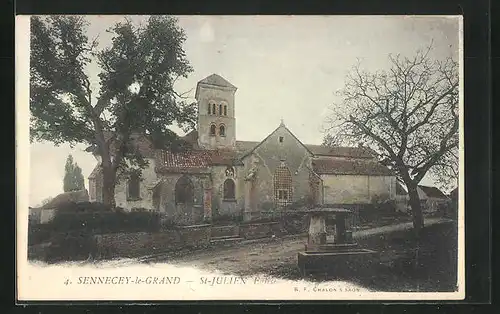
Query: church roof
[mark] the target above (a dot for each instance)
(197, 160)
(352, 152)
(187, 159)
(244, 147)
(141, 141)
(216, 80)
(282, 125)
(350, 167)
(95, 172)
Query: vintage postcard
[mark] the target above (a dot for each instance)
(239, 158)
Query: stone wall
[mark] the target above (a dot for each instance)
(220, 206)
(225, 231)
(144, 243)
(260, 230)
(47, 214)
(269, 155)
(182, 213)
(356, 189)
(148, 178)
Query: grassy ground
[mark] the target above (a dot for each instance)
(404, 264)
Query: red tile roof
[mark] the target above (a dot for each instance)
(197, 160)
(350, 167)
(224, 158)
(187, 159)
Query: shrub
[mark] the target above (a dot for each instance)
(76, 245)
(139, 209)
(168, 223)
(38, 233)
(267, 206)
(105, 222)
(383, 204)
(83, 207)
(301, 204)
(295, 223)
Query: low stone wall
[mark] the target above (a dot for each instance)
(225, 231)
(195, 236)
(145, 243)
(260, 230)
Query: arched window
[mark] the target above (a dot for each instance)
(212, 130)
(209, 108)
(222, 130)
(213, 108)
(229, 190)
(184, 191)
(282, 180)
(220, 110)
(225, 110)
(134, 192)
(229, 171)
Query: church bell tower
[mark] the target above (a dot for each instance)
(216, 113)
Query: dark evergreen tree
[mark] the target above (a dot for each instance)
(73, 177)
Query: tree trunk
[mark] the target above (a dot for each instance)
(108, 187)
(416, 209)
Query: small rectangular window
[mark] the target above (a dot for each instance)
(282, 195)
(220, 110)
(281, 139)
(225, 110)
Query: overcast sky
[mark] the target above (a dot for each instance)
(285, 67)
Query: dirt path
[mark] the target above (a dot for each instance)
(252, 258)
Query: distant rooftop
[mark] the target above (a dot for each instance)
(432, 191)
(67, 197)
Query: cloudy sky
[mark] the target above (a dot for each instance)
(285, 67)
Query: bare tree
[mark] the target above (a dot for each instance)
(408, 114)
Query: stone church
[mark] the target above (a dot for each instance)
(219, 175)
